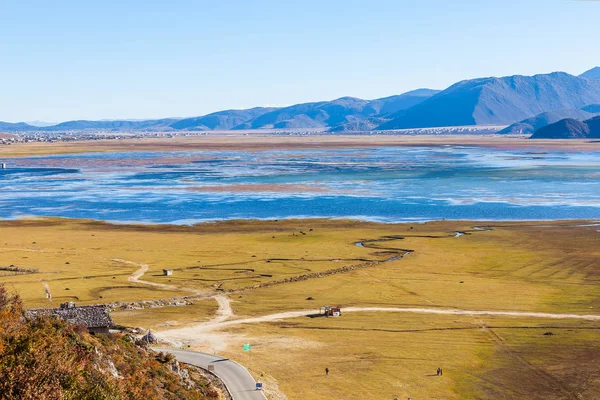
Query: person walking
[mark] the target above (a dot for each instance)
(326, 371)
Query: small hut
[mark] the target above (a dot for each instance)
(95, 318)
(167, 272)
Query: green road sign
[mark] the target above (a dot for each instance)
(247, 347)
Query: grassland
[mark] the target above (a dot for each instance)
(549, 267)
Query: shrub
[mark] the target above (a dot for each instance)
(46, 358)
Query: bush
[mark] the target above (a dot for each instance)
(46, 358)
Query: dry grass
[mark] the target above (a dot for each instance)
(167, 317)
(544, 267)
(229, 255)
(259, 142)
(389, 355)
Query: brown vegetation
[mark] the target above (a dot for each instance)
(46, 358)
(260, 142)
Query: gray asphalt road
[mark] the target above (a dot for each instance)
(240, 383)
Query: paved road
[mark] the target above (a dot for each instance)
(238, 380)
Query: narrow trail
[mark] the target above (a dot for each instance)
(224, 312)
(143, 268)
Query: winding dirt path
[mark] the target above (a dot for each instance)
(143, 268)
(223, 316)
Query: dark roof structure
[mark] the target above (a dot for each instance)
(89, 316)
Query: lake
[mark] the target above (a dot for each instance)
(386, 184)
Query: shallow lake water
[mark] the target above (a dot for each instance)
(388, 184)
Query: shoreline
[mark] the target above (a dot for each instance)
(260, 142)
(592, 222)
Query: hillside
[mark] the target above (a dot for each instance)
(323, 114)
(13, 127)
(392, 104)
(593, 73)
(311, 115)
(222, 120)
(328, 114)
(570, 129)
(498, 101)
(45, 358)
(530, 125)
(117, 125)
(363, 125)
(535, 101)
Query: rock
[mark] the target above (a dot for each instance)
(150, 338)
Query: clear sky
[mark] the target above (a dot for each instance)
(74, 59)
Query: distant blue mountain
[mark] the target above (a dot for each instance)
(498, 101)
(593, 73)
(534, 100)
(222, 120)
(14, 127)
(530, 125)
(40, 123)
(393, 104)
(361, 125)
(117, 125)
(324, 114)
(336, 113)
(570, 129)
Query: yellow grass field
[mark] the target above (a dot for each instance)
(544, 267)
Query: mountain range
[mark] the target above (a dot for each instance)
(530, 125)
(325, 114)
(530, 101)
(336, 113)
(570, 129)
(499, 101)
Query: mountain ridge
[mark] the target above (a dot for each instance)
(570, 129)
(322, 114)
(530, 125)
(593, 73)
(499, 101)
(525, 102)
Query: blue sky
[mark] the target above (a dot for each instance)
(62, 60)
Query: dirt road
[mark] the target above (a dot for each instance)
(219, 322)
